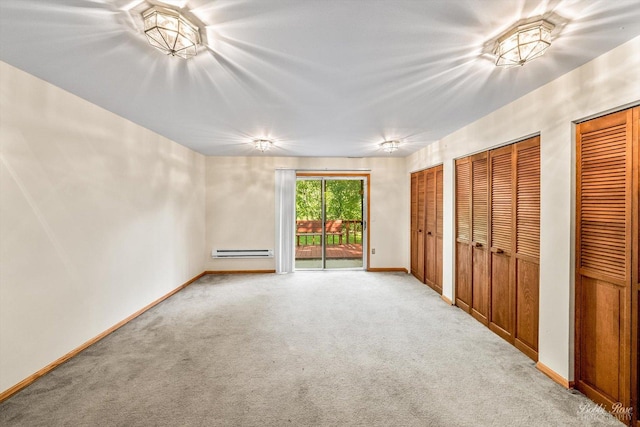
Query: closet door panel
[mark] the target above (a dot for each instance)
(463, 234)
(603, 258)
(463, 276)
(527, 244)
(635, 261)
(502, 237)
(602, 307)
(421, 218)
(480, 240)
(439, 219)
(527, 288)
(430, 237)
(414, 223)
(501, 308)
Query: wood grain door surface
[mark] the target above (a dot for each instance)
(480, 237)
(604, 239)
(418, 224)
(503, 294)
(426, 226)
(498, 241)
(526, 262)
(434, 198)
(463, 260)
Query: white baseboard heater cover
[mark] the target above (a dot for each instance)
(242, 253)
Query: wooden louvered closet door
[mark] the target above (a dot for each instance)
(430, 234)
(433, 276)
(480, 237)
(635, 264)
(463, 234)
(498, 241)
(472, 202)
(503, 294)
(526, 263)
(418, 224)
(426, 227)
(438, 232)
(604, 240)
(414, 223)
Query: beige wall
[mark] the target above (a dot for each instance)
(241, 206)
(98, 218)
(608, 82)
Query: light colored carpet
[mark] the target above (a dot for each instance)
(346, 348)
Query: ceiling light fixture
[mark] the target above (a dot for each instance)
(390, 146)
(523, 43)
(262, 144)
(170, 32)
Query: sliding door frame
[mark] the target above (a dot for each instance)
(366, 178)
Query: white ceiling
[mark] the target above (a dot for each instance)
(320, 77)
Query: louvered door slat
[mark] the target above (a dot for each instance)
(414, 202)
(421, 200)
(501, 200)
(603, 184)
(528, 201)
(463, 200)
(480, 203)
(431, 201)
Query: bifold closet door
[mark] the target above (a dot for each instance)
(438, 232)
(426, 227)
(418, 225)
(635, 264)
(480, 237)
(526, 262)
(433, 276)
(606, 212)
(414, 223)
(515, 243)
(503, 293)
(463, 234)
(472, 284)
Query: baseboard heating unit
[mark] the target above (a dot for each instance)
(242, 253)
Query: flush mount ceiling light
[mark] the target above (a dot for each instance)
(262, 144)
(523, 43)
(170, 32)
(390, 146)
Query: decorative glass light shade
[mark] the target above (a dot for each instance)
(523, 43)
(390, 146)
(170, 32)
(262, 144)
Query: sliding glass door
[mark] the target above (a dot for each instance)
(330, 222)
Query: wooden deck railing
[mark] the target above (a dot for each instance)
(338, 231)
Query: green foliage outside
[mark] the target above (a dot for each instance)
(308, 202)
(343, 201)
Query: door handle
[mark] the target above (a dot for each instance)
(429, 233)
(476, 244)
(419, 231)
(497, 251)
